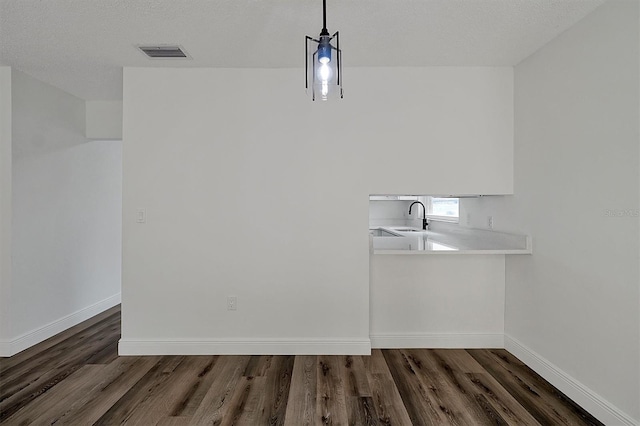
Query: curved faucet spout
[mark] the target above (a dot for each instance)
(424, 214)
(424, 209)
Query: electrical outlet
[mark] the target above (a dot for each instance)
(468, 219)
(490, 222)
(232, 303)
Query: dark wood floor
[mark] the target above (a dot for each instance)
(77, 378)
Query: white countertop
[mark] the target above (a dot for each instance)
(410, 240)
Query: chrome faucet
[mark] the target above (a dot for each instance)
(424, 215)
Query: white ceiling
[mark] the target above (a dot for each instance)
(82, 45)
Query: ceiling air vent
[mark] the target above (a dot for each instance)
(164, 52)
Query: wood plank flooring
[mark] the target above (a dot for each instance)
(77, 378)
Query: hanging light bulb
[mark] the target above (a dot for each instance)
(323, 72)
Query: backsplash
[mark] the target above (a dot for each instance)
(393, 213)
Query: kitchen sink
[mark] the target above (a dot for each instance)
(382, 233)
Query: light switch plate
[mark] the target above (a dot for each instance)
(141, 216)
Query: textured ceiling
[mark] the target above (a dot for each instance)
(82, 45)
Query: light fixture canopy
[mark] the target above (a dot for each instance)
(323, 63)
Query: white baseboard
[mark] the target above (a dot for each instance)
(245, 347)
(437, 340)
(33, 337)
(5, 348)
(596, 405)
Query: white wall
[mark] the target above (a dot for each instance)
(573, 305)
(66, 232)
(5, 206)
(252, 190)
(104, 120)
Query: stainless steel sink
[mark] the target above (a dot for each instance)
(382, 233)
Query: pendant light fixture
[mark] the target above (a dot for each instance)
(323, 63)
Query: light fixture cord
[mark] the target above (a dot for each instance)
(324, 15)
